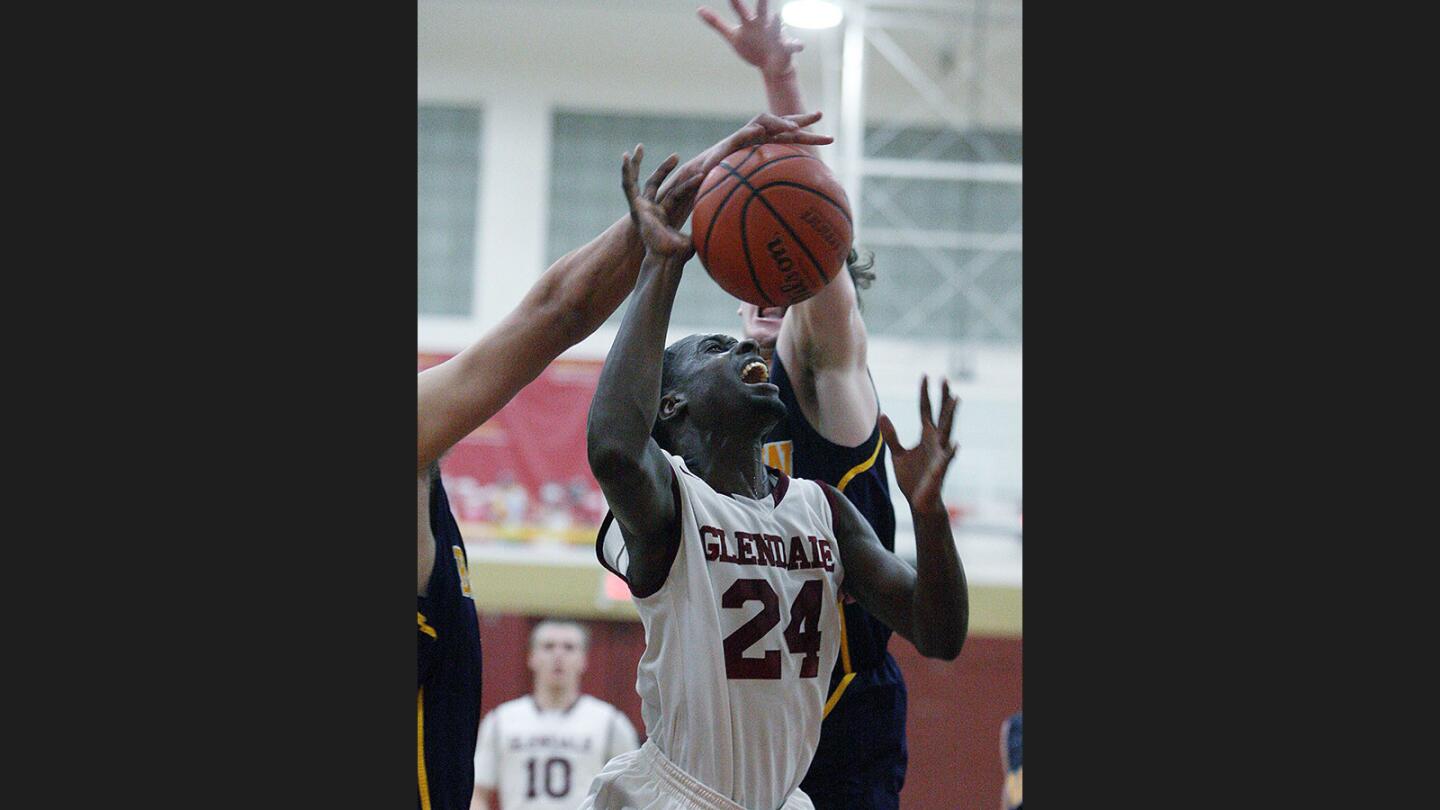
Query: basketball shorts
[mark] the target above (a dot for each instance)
(645, 779)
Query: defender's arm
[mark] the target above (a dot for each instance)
(573, 297)
(822, 340)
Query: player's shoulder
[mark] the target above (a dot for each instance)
(594, 705)
(523, 705)
(598, 710)
(811, 490)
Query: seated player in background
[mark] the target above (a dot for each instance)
(569, 301)
(737, 569)
(818, 356)
(539, 752)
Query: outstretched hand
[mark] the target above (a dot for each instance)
(920, 470)
(758, 38)
(763, 128)
(658, 214)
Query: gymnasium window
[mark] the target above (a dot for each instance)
(585, 196)
(448, 186)
(966, 255)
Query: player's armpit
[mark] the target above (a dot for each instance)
(644, 497)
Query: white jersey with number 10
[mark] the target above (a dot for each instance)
(537, 759)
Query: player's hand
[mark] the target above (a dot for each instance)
(763, 128)
(920, 470)
(657, 215)
(758, 38)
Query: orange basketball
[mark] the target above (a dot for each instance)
(772, 225)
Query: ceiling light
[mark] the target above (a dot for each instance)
(811, 14)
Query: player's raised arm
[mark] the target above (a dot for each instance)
(823, 340)
(759, 40)
(630, 467)
(824, 344)
(929, 604)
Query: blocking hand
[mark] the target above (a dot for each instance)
(758, 38)
(763, 128)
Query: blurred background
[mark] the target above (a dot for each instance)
(524, 108)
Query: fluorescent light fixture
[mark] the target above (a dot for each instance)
(811, 14)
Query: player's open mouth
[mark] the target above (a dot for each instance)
(755, 371)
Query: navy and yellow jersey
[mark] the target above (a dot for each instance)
(862, 757)
(448, 699)
(1014, 765)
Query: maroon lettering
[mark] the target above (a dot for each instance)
(802, 635)
(772, 550)
(827, 556)
(797, 555)
(712, 550)
(725, 555)
(737, 664)
(746, 543)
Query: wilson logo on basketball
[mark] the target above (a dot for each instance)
(812, 218)
(791, 281)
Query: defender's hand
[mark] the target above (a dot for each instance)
(763, 128)
(658, 215)
(758, 38)
(920, 470)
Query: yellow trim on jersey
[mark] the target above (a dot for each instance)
(420, 747)
(844, 641)
(862, 466)
(425, 628)
(844, 662)
(835, 698)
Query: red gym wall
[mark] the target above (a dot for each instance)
(955, 707)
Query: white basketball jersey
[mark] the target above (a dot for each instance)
(544, 760)
(741, 639)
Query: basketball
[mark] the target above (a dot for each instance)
(772, 225)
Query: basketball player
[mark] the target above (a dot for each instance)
(571, 299)
(831, 432)
(540, 752)
(737, 569)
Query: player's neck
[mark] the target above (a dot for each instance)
(733, 466)
(556, 699)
